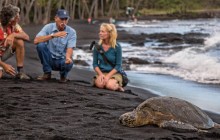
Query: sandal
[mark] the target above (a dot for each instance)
(121, 89)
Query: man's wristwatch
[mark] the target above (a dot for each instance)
(52, 35)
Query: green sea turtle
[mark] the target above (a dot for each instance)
(168, 112)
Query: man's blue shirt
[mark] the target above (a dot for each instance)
(58, 45)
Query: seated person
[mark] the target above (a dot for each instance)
(107, 75)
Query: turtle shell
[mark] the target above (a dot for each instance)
(162, 109)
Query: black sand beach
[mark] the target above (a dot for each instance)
(50, 110)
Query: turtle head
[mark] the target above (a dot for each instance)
(128, 119)
(135, 118)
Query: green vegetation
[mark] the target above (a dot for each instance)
(178, 6)
(42, 11)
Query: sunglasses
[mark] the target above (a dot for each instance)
(64, 18)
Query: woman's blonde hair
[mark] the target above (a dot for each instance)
(112, 31)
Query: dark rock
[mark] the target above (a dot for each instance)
(135, 60)
(193, 35)
(164, 35)
(138, 44)
(80, 62)
(173, 40)
(194, 40)
(158, 62)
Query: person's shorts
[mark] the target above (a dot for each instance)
(7, 54)
(116, 76)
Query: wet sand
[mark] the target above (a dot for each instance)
(49, 110)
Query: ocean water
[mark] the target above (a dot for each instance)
(192, 73)
(205, 96)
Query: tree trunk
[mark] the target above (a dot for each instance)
(96, 9)
(85, 5)
(40, 15)
(35, 20)
(59, 4)
(6, 2)
(137, 6)
(47, 11)
(13, 2)
(91, 8)
(38, 10)
(110, 12)
(27, 9)
(79, 9)
(22, 15)
(102, 8)
(116, 8)
(1, 4)
(73, 9)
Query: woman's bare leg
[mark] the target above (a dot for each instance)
(99, 82)
(113, 85)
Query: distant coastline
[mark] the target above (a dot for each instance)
(188, 15)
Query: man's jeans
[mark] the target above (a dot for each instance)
(50, 63)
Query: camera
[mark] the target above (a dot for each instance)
(92, 45)
(97, 46)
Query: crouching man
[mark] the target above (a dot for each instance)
(55, 43)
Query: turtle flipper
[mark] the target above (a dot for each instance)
(178, 126)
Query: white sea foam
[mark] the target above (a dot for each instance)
(82, 55)
(173, 26)
(212, 41)
(198, 65)
(188, 65)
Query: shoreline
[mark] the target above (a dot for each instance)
(74, 110)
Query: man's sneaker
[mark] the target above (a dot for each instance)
(46, 76)
(22, 76)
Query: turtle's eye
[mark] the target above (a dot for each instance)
(121, 120)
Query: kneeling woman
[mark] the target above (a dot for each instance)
(107, 74)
